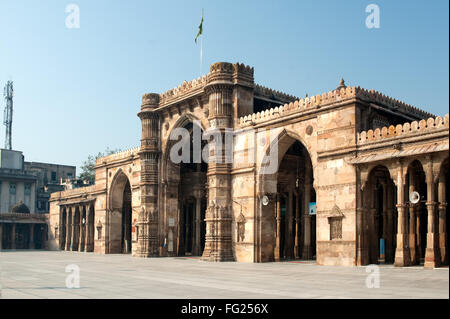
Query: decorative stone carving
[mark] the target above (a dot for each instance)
(241, 227)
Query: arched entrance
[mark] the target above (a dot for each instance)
(288, 221)
(417, 213)
(120, 239)
(187, 185)
(380, 217)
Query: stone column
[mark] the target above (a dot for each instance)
(373, 235)
(148, 239)
(297, 226)
(385, 232)
(390, 224)
(89, 229)
(289, 223)
(402, 257)
(442, 219)
(13, 236)
(218, 243)
(82, 244)
(361, 250)
(307, 253)
(31, 236)
(69, 229)
(278, 230)
(197, 246)
(432, 258)
(415, 259)
(418, 212)
(75, 232)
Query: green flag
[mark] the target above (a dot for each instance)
(200, 28)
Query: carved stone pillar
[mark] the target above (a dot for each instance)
(361, 250)
(75, 230)
(418, 212)
(402, 252)
(443, 233)
(90, 228)
(297, 226)
(82, 228)
(307, 252)
(361, 212)
(277, 253)
(432, 258)
(442, 220)
(69, 229)
(385, 233)
(415, 259)
(218, 243)
(390, 225)
(148, 239)
(289, 224)
(197, 243)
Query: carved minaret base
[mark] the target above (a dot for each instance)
(148, 240)
(218, 243)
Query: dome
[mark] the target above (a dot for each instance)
(20, 208)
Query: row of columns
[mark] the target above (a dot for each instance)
(371, 223)
(77, 228)
(436, 251)
(401, 225)
(12, 236)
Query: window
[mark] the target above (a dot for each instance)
(12, 188)
(53, 176)
(69, 175)
(27, 189)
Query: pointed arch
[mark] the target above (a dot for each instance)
(120, 214)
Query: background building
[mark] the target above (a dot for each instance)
(25, 188)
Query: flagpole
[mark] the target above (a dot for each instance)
(201, 55)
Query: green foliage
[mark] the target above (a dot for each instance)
(87, 169)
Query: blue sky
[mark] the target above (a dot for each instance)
(77, 91)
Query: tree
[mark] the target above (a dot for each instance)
(87, 169)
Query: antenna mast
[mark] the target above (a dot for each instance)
(7, 115)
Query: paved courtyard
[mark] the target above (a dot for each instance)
(41, 274)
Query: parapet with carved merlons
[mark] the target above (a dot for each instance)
(407, 129)
(118, 156)
(333, 97)
(273, 94)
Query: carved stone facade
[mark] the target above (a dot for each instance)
(304, 178)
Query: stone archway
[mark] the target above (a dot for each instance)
(379, 223)
(285, 228)
(120, 215)
(185, 197)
